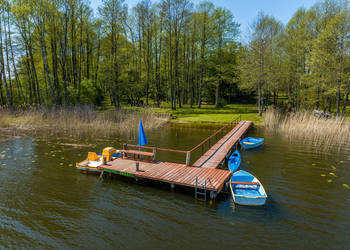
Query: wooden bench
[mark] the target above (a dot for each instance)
(139, 153)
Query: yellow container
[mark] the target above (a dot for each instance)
(107, 153)
(92, 156)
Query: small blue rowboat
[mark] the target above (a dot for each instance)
(234, 161)
(250, 142)
(247, 190)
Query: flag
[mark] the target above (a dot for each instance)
(142, 135)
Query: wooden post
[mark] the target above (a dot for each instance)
(188, 158)
(101, 175)
(209, 143)
(125, 146)
(195, 188)
(137, 166)
(155, 153)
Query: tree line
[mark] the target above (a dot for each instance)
(306, 62)
(61, 53)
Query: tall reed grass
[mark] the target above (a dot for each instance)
(80, 121)
(303, 125)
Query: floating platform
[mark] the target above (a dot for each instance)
(203, 176)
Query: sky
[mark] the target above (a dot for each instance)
(245, 11)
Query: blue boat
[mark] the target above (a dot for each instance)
(234, 161)
(250, 142)
(246, 189)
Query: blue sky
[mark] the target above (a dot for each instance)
(245, 11)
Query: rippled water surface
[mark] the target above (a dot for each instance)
(45, 202)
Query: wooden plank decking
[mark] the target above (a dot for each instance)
(172, 173)
(204, 169)
(217, 153)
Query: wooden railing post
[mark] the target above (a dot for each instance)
(125, 146)
(154, 154)
(188, 158)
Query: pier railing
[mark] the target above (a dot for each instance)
(209, 141)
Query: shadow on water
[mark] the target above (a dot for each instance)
(46, 203)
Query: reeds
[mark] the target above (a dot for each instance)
(303, 125)
(80, 121)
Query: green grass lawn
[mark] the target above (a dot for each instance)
(209, 113)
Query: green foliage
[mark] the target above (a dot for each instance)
(89, 94)
(59, 53)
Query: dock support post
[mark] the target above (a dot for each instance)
(101, 175)
(137, 166)
(154, 154)
(195, 188)
(213, 195)
(188, 158)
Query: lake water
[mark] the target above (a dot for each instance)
(45, 202)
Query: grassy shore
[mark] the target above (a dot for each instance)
(79, 121)
(304, 126)
(209, 113)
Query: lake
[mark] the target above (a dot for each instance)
(46, 203)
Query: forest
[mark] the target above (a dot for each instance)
(62, 53)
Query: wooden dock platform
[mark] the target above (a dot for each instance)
(172, 173)
(217, 153)
(203, 175)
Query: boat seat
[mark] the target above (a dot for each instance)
(242, 186)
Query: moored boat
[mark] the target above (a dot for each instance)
(234, 161)
(251, 142)
(94, 161)
(246, 189)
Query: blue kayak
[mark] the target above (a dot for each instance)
(234, 161)
(250, 142)
(246, 189)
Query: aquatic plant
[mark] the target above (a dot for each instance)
(80, 121)
(303, 125)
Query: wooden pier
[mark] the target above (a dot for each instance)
(203, 176)
(217, 153)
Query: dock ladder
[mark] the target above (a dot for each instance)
(202, 186)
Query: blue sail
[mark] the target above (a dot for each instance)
(142, 135)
